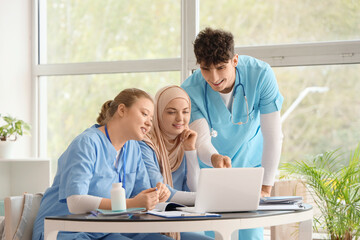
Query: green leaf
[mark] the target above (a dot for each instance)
(13, 128)
(335, 188)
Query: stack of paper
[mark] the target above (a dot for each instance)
(168, 210)
(181, 214)
(281, 203)
(117, 212)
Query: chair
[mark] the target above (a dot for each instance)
(20, 214)
(288, 187)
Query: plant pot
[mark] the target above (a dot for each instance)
(6, 149)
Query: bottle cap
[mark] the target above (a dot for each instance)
(116, 185)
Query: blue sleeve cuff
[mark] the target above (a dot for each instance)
(172, 192)
(273, 106)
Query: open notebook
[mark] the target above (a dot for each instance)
(170, 210)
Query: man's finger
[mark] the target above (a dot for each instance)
(227, 163)
(220, 164)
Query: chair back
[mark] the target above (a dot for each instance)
(20, 214)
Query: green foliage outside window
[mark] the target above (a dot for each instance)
(109, 30)
(74, 102)
(283, 21)
(323, 120)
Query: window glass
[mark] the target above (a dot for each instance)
(74, 102)
(283, 21)
(322, 121)
(109, 30)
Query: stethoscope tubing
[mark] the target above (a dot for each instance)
(213, 132)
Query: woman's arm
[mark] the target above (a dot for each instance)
(192, 170)
(78, 204)
(185, 198)
(152, 166)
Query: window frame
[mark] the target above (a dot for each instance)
(282, 55)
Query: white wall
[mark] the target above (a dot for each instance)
(15, 65)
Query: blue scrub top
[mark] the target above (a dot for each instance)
(87, 168)
(152, 165)
(242, 143)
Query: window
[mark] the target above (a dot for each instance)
(302, 40)
(74, 102)
(328, 117)
(89, 51)
(283, 21)
(109, 30)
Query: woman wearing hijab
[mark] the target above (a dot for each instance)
(168, 150)
(106, 153)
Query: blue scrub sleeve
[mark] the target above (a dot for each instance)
(142, 181)
(152, 166)
(78, 168)
(270, 98)
(193, 92)
(185, 186)
(195, 112)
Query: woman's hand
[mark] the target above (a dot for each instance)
(164, 192)
(265, 191)
(188, 138)
(147, 199)
(220, 161)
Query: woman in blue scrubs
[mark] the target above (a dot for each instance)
(235, 109)
(169, 151)
(106, 153)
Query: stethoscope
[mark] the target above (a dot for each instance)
(117, 160)
(213, 132)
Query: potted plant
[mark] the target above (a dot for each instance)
(10, 129)
(335, 186)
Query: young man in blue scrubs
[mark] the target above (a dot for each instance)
(235, 109)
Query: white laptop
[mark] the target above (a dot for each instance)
(228, 190)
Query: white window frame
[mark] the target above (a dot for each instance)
(284, 55)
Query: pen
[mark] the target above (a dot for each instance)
(94, 213)
(192, 214)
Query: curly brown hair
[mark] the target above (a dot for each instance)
(213, 46)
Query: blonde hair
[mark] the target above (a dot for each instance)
(127, 97)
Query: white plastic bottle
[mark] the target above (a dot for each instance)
(118, 199)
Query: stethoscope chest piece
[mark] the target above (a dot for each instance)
(213, 133)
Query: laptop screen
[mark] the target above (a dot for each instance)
(228, 189)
